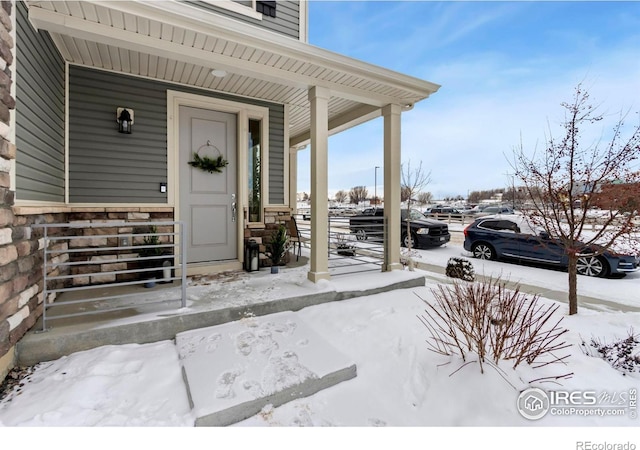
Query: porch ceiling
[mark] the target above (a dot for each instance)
(179, 43)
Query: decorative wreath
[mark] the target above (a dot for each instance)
(208, 164)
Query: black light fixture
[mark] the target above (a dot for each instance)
(125, 120)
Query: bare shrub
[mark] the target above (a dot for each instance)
(494, 323)
(621, 354)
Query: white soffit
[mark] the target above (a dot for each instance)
(168, 41)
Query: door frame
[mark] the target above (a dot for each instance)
(244, 112)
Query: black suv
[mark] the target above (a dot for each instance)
(445, 210)
(423, 232)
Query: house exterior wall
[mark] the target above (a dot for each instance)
(40, 116)
(109, 167)
(21, 261)
(287, 20)
(106, 166)
(276, 156)
(9, 279)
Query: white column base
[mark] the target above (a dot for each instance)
(317, 276)
(393, 266)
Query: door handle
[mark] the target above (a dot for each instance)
(234, 207)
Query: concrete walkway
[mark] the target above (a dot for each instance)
(437, 273)
(156, 323)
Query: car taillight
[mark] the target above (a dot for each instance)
(465, 230)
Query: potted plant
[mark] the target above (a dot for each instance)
(276, 247)
(152, 248)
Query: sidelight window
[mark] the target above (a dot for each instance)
(255, 170)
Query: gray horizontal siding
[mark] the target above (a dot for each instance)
(276, 156)
(39, 113)
(109, 167)
(287, 20)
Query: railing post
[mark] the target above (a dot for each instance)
(183, 265)
(44, 279)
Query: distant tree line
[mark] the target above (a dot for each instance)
(478, 196)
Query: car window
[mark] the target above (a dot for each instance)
(490, 224)
(416, 215)
(507, 225)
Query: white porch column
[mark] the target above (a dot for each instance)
(293, 179)
(319, 98)
(392, 181)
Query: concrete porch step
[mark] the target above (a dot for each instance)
(151, 324)
(234, 370)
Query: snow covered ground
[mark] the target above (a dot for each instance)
(400, 382)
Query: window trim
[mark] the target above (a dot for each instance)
(249, 11)
(264, 163)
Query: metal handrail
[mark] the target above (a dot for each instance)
(54, 259)
(368, 254)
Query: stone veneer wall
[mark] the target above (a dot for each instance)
(95, 240)
(10, 285)
(21, 262)
(274, 216)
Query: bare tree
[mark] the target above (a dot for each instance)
(405, 194)
(413, 181)
(424, 198)
(358, 194)
(563, 182)
(341, 196)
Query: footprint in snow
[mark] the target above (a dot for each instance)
(377, 422)
(225, 383)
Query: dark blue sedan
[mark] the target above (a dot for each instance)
(500, 237)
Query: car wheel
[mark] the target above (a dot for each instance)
(483, 251)
(409, 239)
(361, 235)
(592, 266)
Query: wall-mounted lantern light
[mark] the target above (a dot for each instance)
(124, 116)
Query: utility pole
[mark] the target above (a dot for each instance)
(375, 187)
(513, 189)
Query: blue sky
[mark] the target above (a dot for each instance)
(504, 68)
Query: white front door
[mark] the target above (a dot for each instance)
(207, 200)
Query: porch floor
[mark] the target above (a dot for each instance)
(211, 300)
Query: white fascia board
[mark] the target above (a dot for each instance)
(128, 40)
(199, 20)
